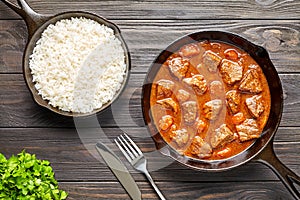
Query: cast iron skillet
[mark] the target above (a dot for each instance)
(36, 23)
(262, 150)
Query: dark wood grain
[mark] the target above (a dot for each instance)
(19, 110)
(181, 190)
(147, 38)
(129, 9)
(85, 177)
(148, 27)
(67, 151)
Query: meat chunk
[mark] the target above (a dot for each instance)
(164, 89)
(180, 137)
(251, 82)
(216, 88)
(201, 126)
(231, 54)
(211, 61)
(165, 122)
(182, 95)
(198, 83)
(179, 67)
(231, 71)
(224, 153)
(222, 135)
(169, 103)
(200, 148)
(190, 111)
(255, 105)
(189, 50)
(248, 130)
(212, 108)
(173, 127)
(233, 99)
(238, 118)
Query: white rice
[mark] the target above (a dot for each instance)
(78, 65)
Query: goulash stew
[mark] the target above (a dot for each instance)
(210, 100)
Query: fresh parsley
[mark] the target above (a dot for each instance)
(24, 177)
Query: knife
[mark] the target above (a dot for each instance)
(119, 170)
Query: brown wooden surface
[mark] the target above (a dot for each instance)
(169, 9)
(148, 27)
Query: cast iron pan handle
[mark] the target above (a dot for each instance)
(288, 177)
(33, 20)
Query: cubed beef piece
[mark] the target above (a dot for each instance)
(231, 71)
(248, 130)
(178, 67)
(212, 109)
(169, 103)
(180, 137)
(216, 89)
(251, 82)
(222, 135)
(200, 148)
(165, 122)
(201, 126)
(182, 95)
(198, 83)
(238, 118)
(164, 89)
(255, 105)
(173, 127)
(211, 61)
(231, 54)
(190, 111)
(226, 152)
(233, 100)
(189, 50)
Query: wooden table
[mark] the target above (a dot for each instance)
(148, 27)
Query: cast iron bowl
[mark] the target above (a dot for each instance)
(262, 149)
(36, 24)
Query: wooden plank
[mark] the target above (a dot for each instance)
(13, 39)
(74, 158)
(69, 144)
(19, 110)
(128, 9)
(179, 190)
(146, 39)
(280, 38)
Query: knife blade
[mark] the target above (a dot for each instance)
(119, 170)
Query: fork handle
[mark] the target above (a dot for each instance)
(161, 196)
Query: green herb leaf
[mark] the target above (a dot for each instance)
(25, 177)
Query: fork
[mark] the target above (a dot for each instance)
(136, 158)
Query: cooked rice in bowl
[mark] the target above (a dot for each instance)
(78, 65)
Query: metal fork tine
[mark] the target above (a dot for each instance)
(138, 161)
(134, 145)
(125, 147)
(123, 151)
(130, 146)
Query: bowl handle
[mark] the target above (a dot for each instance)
(33, 20)
(287, 176)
